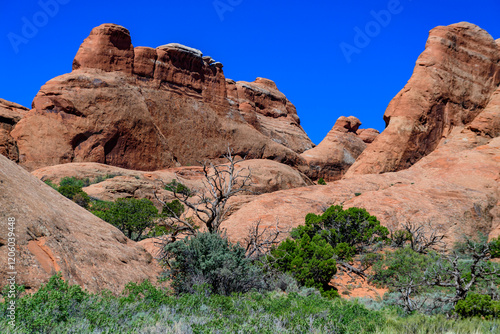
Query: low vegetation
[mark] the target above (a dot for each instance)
(267, 286)
(143, 308)
(134, 217)
(71, 187)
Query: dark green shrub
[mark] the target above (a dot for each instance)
(177, 187)
(132, 216)
(476, 305)
(173, 209)
(73, 181)
(310, 261)
(400, 237)
(347, 231)
(495, 248)
(76, 194)
(101, 178)
(369, 259)
(321, 181)
(51, 184)
(210, 260)
(53, 303)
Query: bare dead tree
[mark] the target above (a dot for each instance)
(407, 290)
(421, 238)
(210, 204)
(349, 269)
(260, 241)
(450, 274)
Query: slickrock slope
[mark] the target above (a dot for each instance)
(452, 83)
(338, 150)
(147, 109)
(454, 188)
(267, 176)
(54, 234)
(10, 114)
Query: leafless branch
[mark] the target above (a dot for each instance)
(421, 238)
(349, 270)
(208, 206)
(453, 276)
(260, 241)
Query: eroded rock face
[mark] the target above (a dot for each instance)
(453, 81)
(264, 107)
(147, 109)
(454, 190)
(108, 48)
(487, 123)
(54, 234)
(337, 151)
(10, 114)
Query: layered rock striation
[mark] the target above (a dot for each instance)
(453, 81)
(147, 109)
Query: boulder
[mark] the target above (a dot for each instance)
(367, 135)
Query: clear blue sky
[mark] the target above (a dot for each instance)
(295, 43)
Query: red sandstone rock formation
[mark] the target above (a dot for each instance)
(452, 83)
(338, 150)
(367, 135)
(10, 114)
(264, 107)
(455, 190)
(444, 125)
(54, 234)
(267, 176)
(147, 109)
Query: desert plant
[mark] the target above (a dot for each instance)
(495, 248)
(209, 206)
(476, 305)
(310, 261)
(51, 184)
(348, 231)
(321, 181)
(76, 194)
(73, 181)
(211, 261)
(462, 270)
(173, 208)
(419, 237)
(132, 216)
(177, 187)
